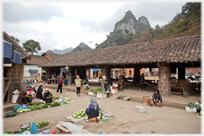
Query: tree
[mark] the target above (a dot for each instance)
(96, 45)
(31, 46)
(126, 31)
(15, 39)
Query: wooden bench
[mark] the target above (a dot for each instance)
(176, 86)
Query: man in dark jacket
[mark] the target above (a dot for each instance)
(22, 98)
(47, 96)
(156, 97)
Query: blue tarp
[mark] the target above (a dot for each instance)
(95, 69)
(64, 70)
(33, 71)
(8, 50)
(17, 57)
(10, 55)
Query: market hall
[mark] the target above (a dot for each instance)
(165, 54)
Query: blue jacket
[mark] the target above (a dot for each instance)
(91, 106)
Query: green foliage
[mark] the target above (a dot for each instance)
(126, 31)
(31, 46)
(192, 105)
(15, 39)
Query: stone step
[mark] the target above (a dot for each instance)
(126, 98)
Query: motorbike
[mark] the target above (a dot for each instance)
(190, 78)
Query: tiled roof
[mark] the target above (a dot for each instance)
(175, 50)
(51, 55)
(36, 60)
(16, 46)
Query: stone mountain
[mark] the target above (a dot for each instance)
(125, 29)
(81, 47)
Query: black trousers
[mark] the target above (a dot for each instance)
(59, 87)
(92, 113)
(78, 90)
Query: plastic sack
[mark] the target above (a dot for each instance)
(17, 107)
(34, 129)
(23, 106)
(16, 92)
(73, 128)
(61, 97)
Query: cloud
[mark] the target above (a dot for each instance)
(67, 24)
(17, 12)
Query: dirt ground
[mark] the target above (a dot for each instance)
(164, 120)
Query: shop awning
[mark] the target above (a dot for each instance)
(33, 71)
(10, 55)
(95, 69)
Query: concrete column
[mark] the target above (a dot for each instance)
(91, 73)
(164, 82)
(181, 72)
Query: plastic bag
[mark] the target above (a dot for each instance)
(74, 129)
(23, 106)
(17, 107)
(34, 129)
(16, 92)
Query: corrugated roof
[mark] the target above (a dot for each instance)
(175, 50)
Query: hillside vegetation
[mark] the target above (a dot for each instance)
(187, 23)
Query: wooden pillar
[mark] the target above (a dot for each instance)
(136, 73)
(71, 75)
(106, 71)
(181, 72)
(164, 82)
(16, 74)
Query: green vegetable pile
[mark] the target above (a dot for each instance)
(36, 103)
(20, 110)
(101, 113)
(64, 102)
(98, 90)
(45, 105)
(192, 105)
(41, 124)
(53, 97)
(7, 132)
(55, 104)
(92, 90)
(35, 107)
(79, 114)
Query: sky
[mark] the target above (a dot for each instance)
(60, 25)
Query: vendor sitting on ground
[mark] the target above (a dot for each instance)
(39, 92)
(157, 98)
(47, 97)
(93, 111)
(23, 97)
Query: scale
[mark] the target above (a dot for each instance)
(25, 127)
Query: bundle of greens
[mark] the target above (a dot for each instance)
(55, 104)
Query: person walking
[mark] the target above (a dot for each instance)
(142, 85)
(78, 84)
(59, 81)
